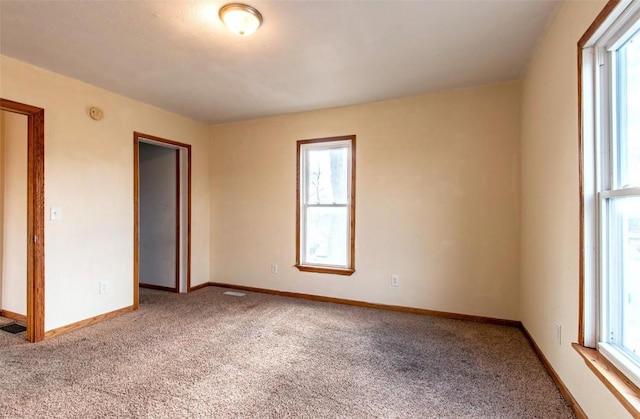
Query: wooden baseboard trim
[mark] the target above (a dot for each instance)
(433, 313)
(199, 286)
(87, 322)
(554, 376)
(157, 287)
(13, 316)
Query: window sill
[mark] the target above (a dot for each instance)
(321, 270)
(624, 390)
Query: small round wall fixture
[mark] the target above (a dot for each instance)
(241, 19)
(96, 113)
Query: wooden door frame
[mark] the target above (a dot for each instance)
(137, 137)
(35, 216)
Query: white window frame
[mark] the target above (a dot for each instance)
(304, 146)
(599, 135)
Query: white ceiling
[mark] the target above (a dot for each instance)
(307, 55)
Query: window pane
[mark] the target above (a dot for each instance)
(624, 271)
(629, 113)
(326, 229)
(327, 171)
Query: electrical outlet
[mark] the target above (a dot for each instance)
(104, 287)
(274, 268)
(558, 333)
(395, 281)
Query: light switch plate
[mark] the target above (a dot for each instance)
(56, 213)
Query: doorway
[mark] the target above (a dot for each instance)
(162, 214)
(13, 218)
(35, 216)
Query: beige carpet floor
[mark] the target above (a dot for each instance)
(209, 355)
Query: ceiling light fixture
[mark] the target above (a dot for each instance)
(241, 19)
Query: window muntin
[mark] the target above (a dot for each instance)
(617, 188)
(326, 203)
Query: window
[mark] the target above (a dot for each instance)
(611, 188)
(619, 198)
(326, 205)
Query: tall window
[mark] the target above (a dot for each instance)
(611, 138)
(326, 205)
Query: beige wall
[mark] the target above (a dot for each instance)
(550, 212)
(89, 174)
(437, 201)
(13, 279)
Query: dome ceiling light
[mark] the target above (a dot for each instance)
(241, 19)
